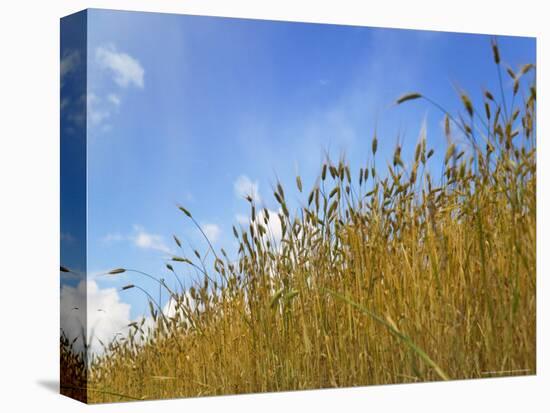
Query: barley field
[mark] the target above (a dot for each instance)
(402, 271)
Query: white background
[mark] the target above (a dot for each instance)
(29, 204)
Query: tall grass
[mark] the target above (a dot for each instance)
(381, 276)
(73, 372)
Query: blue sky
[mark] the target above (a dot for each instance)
(195, 110)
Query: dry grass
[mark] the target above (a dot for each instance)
(380, 277)
(73, 371)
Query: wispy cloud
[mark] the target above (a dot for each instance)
(114, 99)
(98, 112)
(361, 102)
(146, 240)
(126, 70)
(69, 63)
(244, 186)
(73, 97)
(212, 232)
(105, 98)
(114, 237)
(141, 239)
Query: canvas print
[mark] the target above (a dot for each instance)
(261, 206)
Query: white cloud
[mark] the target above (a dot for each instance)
(146, 240)
(101, 109)
(114, 236)
(73, 110)
(125, 69)
(274, 230)
(242, 219)
(170, 308)
(244, 186)
(212, 232)
(114, 99)
(68, 63)
(141, 239)
(97, 111)
(106, 314)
